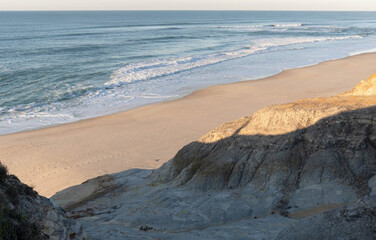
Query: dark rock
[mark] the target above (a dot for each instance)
(26, 215)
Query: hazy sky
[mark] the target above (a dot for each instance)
(188, 4)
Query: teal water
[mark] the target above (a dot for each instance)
(58, 67)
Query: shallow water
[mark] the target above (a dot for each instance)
(58, 67)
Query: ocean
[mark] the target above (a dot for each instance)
(59, 67)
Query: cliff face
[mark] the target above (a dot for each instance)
(26, 215)
(252, 178)
(364, 88)
(339, 147)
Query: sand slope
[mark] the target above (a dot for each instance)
(54, 158)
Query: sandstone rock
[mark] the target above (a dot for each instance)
(250, 179)
(92, 188)
(364, 88)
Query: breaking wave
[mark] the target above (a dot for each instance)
(146, 70)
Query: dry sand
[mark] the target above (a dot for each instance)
(55, 158)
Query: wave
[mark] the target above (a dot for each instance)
(276, 42)
(157, 25)
(248, 28)
(281, 25)
(287, 25)
(167, 38)
(241, 26)
(263, 25)
(151, 69)
(296, 27)
(34, 115)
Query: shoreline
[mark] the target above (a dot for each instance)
(191, 90)
(187, 94)
(53, 158)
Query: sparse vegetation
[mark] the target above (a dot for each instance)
(3, 173)
(14, 225)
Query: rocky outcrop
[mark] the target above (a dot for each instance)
(286, 172)
(26, 215)
(354, 221)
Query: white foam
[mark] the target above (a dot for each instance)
(142, 71)
(283, 25)
(288, 25)
(31, 116)
(276, 42)
(113, 96)
(241, 26)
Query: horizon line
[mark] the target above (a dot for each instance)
(170, 10)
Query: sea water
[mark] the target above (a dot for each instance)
(59, 67)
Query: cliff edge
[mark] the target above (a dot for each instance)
(302, 170)
(26, 215)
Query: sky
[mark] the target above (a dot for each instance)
(332, 5)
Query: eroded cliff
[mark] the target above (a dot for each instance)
(252, 178)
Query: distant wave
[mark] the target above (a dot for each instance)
(145, 70)
(157, 25)
(167, 38)
(241, 26)
(282, 27)
(287, 25)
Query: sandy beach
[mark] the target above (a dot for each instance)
(55, 158)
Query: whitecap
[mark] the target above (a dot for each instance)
(287, 25)
(152, 69)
